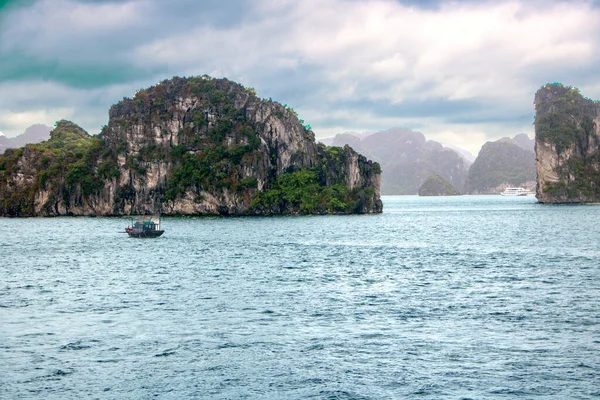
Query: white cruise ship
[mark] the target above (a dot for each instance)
(512, 191)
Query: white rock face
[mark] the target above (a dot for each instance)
(548, 162)
(353, 174)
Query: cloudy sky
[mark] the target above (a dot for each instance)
(461, 72)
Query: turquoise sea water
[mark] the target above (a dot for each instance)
(474, 297)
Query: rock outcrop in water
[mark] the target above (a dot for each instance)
(435, 185)
(567, 129)
(188, 146)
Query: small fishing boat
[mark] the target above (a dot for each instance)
(144, 227)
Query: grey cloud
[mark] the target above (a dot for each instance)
(46, 41)
(324, 59)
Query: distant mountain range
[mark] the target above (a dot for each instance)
(408, 159)
(34, 134)
(523, 141)
(467, 155)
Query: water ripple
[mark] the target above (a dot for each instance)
(477, 297)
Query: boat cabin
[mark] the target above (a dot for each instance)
(145, 227)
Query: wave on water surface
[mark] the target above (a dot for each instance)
(477, 297)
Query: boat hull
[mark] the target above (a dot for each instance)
(144, 234)
(145, 227)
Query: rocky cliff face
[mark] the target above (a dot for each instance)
(188, 146)
(567, 146)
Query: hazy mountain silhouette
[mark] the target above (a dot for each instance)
(525, 142)
(407, 158)
(466, 154)
(34, 134)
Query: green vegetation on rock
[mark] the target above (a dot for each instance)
(568, 145)
(318, 190)
(192, 146)
(65, 163)
(303, 191)
(564, 117)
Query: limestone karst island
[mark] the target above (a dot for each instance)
(567, 132)
(188, 146)
(204, 146)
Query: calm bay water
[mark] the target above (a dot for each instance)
(474, 297)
